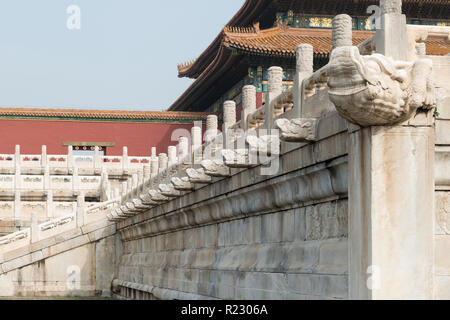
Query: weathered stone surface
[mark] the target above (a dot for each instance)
(342, 202)
(442, 213)
(302, 257)
(442, 288)
(333, 257)
(442, 255)
(102, 233)
(95, 226)
(391, 183)
(297, 130)
(65, 246)
(355, 88)
(442, 130)
(105, 264)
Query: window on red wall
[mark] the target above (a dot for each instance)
(87, 150)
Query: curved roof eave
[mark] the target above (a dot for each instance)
(245, 16)
(222, 61)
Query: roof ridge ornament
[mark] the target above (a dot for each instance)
(187, 64)
(256, 26)
(245, 30)
(283, 24)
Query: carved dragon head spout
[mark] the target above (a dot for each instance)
(376, 90)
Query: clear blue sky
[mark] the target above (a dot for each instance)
(124, 56)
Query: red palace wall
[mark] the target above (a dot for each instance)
(139, 137)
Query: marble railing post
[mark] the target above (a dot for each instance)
(342, 31)
(129, 185)
(135, 184)
(147, 172)
(140, 176)
(116, 193)
(391, 38)
(17, 156)
(197, 154)
(75, 179)
(70, 162)
(17, 178)
(183, 148)
(104, 184)
(154, 164)
(47, 178)
(229, 114)
(248, 105)
(97, 159)
(173, 160)
(44, 156)
(124, 189)
(229, 119)
(162, 162)
(212, 126)
(105, 176)
(108, 195)
(49, 204)
(172, 154)
(80, 209)
(304, 69)
(274, 89)
(17, 204)
(17, 187)
(110, 191)
(125, 161)
(34, 228)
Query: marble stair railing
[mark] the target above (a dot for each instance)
(282, 110)
(37, 232)
(173, 177)
(65, 164)
(417, 34)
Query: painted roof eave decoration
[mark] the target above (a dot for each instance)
(252, 10)
(279, 41)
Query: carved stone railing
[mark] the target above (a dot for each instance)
(341, 81)
(172, 174)
(417, 34)
(41, 190)
(102, 206)
(79, 214)
(19, 192)
(60, 164)
(16, 236)
(282, 103)
(52, 224)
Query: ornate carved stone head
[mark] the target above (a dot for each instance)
(376, 90)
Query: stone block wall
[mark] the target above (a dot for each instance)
(299, 253)
(80, 262)
(248, 236)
